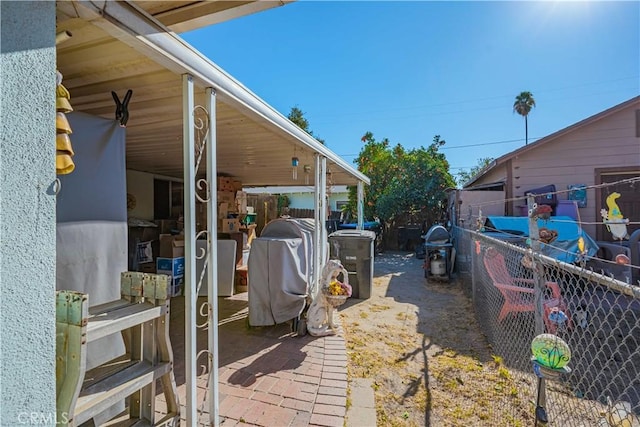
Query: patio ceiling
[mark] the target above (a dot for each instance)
(183, 15)
(120, 47)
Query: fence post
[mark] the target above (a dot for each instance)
(474, 273)
(538, 268)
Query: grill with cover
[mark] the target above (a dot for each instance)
(280, 271)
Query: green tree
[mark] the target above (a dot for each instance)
(465, 176)
(296, 115)
(523, 105)
(407, 186)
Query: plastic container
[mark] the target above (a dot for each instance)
(355, 250)
(245, 256)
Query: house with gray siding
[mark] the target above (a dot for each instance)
(600, 149)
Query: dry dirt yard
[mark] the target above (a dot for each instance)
(419, 343)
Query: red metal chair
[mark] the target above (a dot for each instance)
(518, 293)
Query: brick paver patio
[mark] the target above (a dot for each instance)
(268, 376)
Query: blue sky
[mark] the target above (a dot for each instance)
(407, 71)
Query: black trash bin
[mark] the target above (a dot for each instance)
(355, 250)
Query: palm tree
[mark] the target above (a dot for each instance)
(523, 105)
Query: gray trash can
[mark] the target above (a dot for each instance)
(355, 250)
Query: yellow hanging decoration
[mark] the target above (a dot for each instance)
(64, 150)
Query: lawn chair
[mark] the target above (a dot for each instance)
(518, 293)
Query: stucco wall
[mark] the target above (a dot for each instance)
(27, 213)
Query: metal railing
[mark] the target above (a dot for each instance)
(602, 331)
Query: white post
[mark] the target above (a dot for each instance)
(323, 212)
(316, 237)
(189, 248)
(212, 270)
(360, 205)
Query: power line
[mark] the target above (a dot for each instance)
(587, 187)
(365, 116)
(482, 144)
(472, 101)
(466, 146)
(532, 139)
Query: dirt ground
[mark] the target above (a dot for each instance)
(418, 341)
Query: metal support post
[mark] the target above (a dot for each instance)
(212, 270)
(360, 205)
(323, 213)
(320, 233)
(316, 246)
(190, 294)
(473, 244)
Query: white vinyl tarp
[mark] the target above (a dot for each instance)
(295, 227)
(277, 280)
(91, 234)
(280, 271)
(91, 213)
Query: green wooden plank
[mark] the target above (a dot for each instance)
(71, 307)
(78, 309)
(125, 283)
(156, 286)
(71, 320)
(62, 342)
(62, 305)
(131, 283)
(137, 279)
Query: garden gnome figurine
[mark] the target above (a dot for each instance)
(613, 218)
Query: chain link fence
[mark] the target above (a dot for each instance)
(514, 292)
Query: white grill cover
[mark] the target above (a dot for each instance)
(295, 227)
(277, 280)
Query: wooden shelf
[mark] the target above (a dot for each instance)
(123, 317)
(106, 393)
(142, 316)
